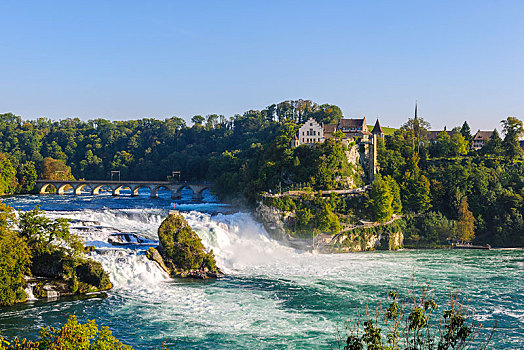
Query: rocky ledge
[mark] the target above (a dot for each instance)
(56, 275)
(181, 252)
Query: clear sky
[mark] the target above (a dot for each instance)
(462, 60)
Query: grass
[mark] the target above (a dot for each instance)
(387, 131)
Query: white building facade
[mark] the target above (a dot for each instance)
(311, 132)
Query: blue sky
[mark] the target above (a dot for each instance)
(462, 60)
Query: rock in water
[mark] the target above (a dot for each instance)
(181, 252)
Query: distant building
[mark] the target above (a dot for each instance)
(433, 135)
(329, 130)
(354, 127)
(377, 130)
(311, 132)
(481, 138)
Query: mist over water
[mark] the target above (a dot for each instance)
(272, 296)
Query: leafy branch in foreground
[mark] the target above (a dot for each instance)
(73, 335)
(414, 324)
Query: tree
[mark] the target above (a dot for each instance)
(27, 177)
(8, 181)
(513, 129)
(15, 258)
(56, 169)
(465, 131)
(415, 189)
(459, 145)
(381, 200)
(46, 236)
(396, 205)
(327, 114)
(212, 120)
(443, 144)
(419, 127)
(465, 226)
(198, 120)
(494, 146)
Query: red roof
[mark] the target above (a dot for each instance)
(483, 135)
(352, 123)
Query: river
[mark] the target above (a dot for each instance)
(272, 297)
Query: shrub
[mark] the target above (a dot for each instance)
(72, 336)
(413, 324)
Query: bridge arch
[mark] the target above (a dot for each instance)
(154, 191)
(63, 187)
(79, 188)
(98, 187)
(117, 189)
(198, 192)
(134, 191)
(43, 189)
(180, 188)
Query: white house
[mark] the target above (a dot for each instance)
(311, 132)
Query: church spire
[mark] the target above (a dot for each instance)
(416, 105)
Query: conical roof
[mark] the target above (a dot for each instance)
(377, 129)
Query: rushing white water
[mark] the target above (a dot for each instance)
(272, 296)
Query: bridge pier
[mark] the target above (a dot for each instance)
(197, 196)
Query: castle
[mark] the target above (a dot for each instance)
(348, 129)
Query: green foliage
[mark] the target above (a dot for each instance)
(8, 180)
(34, 244)
(459, 145)
(27, 177)
(92, 273)
(513, 129)
(381, 200)
(183, 246)
(414, 323)
(15, 258)
(72, 336)
(465, 131)
(494, 146)
(45, 235)
(363, 234)
(465, 227)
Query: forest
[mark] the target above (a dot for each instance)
(466, 194)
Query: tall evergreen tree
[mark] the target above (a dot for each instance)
(466, 133)
(494, 145)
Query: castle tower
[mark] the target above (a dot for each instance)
(373, 157)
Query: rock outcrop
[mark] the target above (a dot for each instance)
(274, 220)
(59, 275)
(181, 252)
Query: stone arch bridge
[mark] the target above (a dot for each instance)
(95, 186)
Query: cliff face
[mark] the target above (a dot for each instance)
(181, 252)
(364, 241)
(379, 238)
(274, 220)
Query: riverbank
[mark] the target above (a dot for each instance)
(364, 237)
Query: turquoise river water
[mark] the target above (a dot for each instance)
(272, 297)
